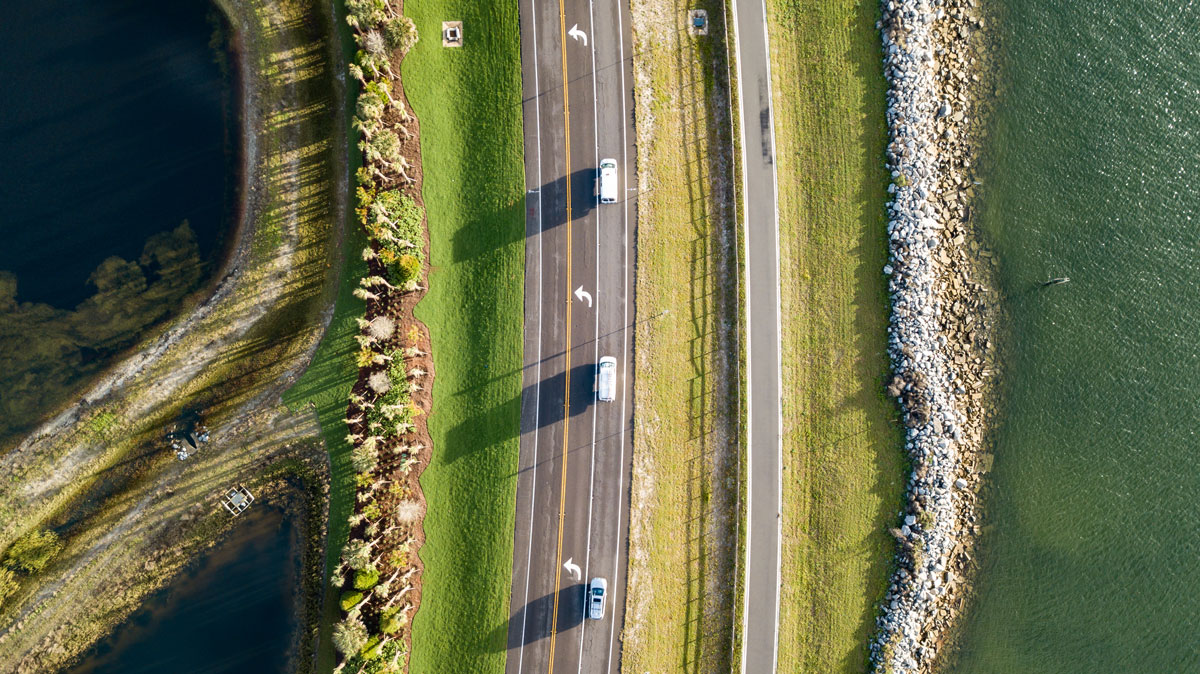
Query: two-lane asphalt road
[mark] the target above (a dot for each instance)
(572, 518)
(763, 436)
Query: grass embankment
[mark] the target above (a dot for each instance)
(680, 605)
(843, 464)
(325, 387)
(468, 101)
(326, 384)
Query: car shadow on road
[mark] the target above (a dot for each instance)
(551, 197)
(531, 622)
(550, 397)
(481, 234)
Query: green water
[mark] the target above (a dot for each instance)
(1092, 562)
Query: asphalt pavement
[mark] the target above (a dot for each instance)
(763, 436)
(572, 517)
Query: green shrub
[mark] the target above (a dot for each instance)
(350, 599)
(33, 551)
(372, 511)
(366, 579)
(389, 625)
(397, 372)
(364, 196)
(373, 649)
(394, 223)
(408, 267)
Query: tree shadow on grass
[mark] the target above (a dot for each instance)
(870, 315)
(499, 422)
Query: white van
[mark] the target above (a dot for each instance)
(606, 379)
(608, 181)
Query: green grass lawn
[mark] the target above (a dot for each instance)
(680, 607)
(843, 464)
(468, 101)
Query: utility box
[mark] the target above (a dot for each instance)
(698, 22)
(452, 33)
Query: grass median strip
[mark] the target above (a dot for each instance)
(843, 464)
(468, 100)
(682, 528)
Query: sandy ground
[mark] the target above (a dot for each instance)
(235, 354)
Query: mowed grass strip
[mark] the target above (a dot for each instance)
(843, 464)
(680, 606)
(468, 101)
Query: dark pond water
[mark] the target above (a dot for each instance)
(116, 128)
(233, 612)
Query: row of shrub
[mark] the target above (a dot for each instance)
(377, 571)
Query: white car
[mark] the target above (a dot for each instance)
(608, 181)
(597, 592)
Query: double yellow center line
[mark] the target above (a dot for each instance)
(562, 497)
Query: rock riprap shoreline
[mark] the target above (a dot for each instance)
(940, 337)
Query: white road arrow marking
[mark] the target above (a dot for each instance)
(573, 569)
(581, 293)
(576, 33)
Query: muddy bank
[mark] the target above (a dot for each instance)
(943, 316)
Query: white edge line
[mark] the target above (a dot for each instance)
(737, 47)
(628, 388)
(537, 396)
(587, 555)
